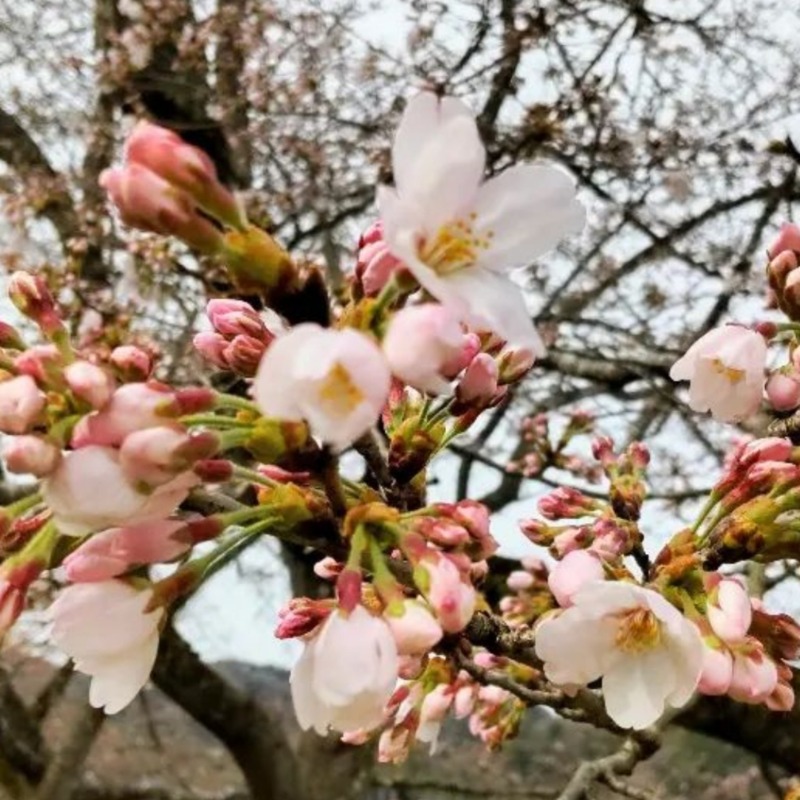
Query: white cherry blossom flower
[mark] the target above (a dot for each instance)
(346, 674)
(725, 370)
(337, 380)
(648, 654)
(459, 235)
(104, 628)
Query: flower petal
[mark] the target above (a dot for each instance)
(423, 118)
(529, 209)
(636, 687)
(117, 680)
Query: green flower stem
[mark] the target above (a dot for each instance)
(214, 421)
(234, 401)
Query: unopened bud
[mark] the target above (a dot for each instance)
(29, 293)
(132, 363)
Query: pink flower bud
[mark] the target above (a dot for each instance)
(729, 611)
(300, 616)
(451, 598)
(436, 704)
(132, 407)
(479, 383)
(348, 589)
(537, 531)
(569, 540)
(10, 338)
(116, 550)
(375, 265)
(154, 456)
(754, 676)
(186, 167)
(778, 271)
(420, 342)
(416, 630)
(214, 470)
(788, 238)
(603, 450)
(519, 580)
(783, 391)
(464, 702)
(235, 317)
(572, 573)
(89, 383)
(31, 455)
(470, 347)
(770, 448)
(564, 503)
(781, 699)
(212, 346)
(146, 201)
(243, 354)
(513, 365)
(21, 404)
(133, 363)
(715, 679)
(30, 295)
(41, 362)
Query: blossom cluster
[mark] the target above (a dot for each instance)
(133, 472)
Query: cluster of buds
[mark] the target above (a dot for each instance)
(529, 593)
(746, 649)
(239, 338)
(420, 705)
(171, 188)
(607, 530)
(749, 514)
(542, 450)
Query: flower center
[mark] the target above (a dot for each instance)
(639, 630)
(729, 373)
(338, 392)
(454, 246)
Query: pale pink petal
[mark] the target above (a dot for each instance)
(528, 208)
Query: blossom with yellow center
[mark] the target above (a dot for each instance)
(725, 369)
(647, 653)
(460, 236)
(336, 380)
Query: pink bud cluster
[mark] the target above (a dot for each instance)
(239, 339)
(746, 649)
(169, 187)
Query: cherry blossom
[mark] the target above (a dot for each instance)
(648, 654)
(337, 380)
(421, 343)
(106, 629)
(346, 673)
(459, 235)
(725, 368)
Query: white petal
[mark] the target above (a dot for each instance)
(117, 680)
(422, 120)
(576, 649)
(308, 709)
(636, 687)
(101, 619)
(274, 382)
(603, 598)
(529, 209)
(686, 651)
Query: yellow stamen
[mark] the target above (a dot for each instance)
(730, 373)
(454, 246)
(338, 392)
(639, 630)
